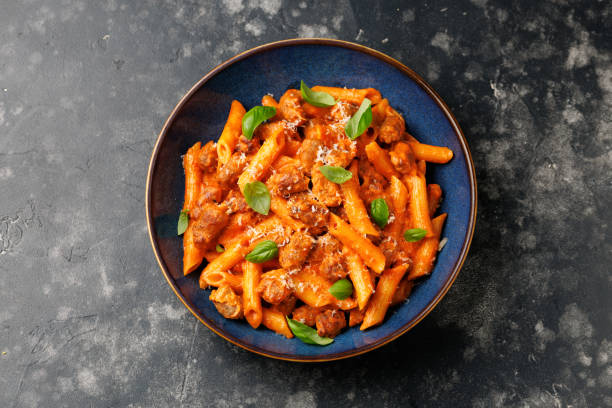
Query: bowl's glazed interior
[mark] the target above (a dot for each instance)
(273, 69)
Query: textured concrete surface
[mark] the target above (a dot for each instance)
(86, 318)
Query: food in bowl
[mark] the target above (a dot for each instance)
(311, 209)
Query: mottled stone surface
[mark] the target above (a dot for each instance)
(86, 318)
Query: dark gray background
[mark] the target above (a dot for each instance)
(86, 317)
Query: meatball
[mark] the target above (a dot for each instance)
(290, 107)
(210, 219)
(392, 128)
(330, 322)
(306, 314)
(207, 159)
(287, 180)
(304, 207)
(229, 172)
(296, 251)
(327, 192)
(273, 286)
(402, 157)
(228, 303)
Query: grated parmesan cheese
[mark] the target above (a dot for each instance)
(442, 243)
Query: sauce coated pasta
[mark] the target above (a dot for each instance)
(312, 212)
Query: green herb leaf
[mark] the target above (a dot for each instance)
(380, 212)
(415, 234)
(183, 222)
(264, 251)
(319, 99)
(255, 117)
(220, 248)
(257, 197)
(341, 289)
(307, 334)
(360, 121)
(336, 174)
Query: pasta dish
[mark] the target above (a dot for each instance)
(312, 212)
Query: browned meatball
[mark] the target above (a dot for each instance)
(342, 152)
(207, 159)
(306, 314)
(287, 180)
(392, 128)
(273, 286)
(210, 220)
(287, 305)
(290, 107)
(229, 172)
(304, 207)
(228, 303)
(327, 192)
(333, 267)
(308, 151)
(330, 323)
(402, 157)
(296, 251)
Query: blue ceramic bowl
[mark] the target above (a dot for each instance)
(273, 68)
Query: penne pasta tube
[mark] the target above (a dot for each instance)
(380, 160)
(193, 254)
(386, 287)
(276, 321)
(265, 156)
(268, 100)
(312, 288)
(231, 132)
(371, 255)
(419, 205)
(224, 262)
(426, 253)
(360, 277)
(353, 204)
(432, 154)
(280, 207)
(253, 313)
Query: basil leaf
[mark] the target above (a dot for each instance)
(307, 334)
(341, 289)
(264, 251)
(336, 174)
(318, 99)
(255, 117)
(415, 234)
(220, 248)
(380, 212)
(257, 197)
(183, 222)
(360, 121)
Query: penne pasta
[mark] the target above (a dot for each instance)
(387, 284)
(355, 96)
(419, 205)
(432, 154)
(380, 160)
(253, 313)
(353, 204)
(372, 256)
(360, 277)
(276, 321)
(265, 156)
(231, 132)
(426, 253)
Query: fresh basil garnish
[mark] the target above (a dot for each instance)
(318, 99)
(307, 334)
(380, 212)
(415, 234)
(336, 174)
(341, 289)
(220, 248)
(255, 117)
(264, 251)
(360, 121)
(257, 196)
(183, 222)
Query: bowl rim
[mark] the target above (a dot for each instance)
(437, 99)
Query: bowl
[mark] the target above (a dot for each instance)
(273, 68)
